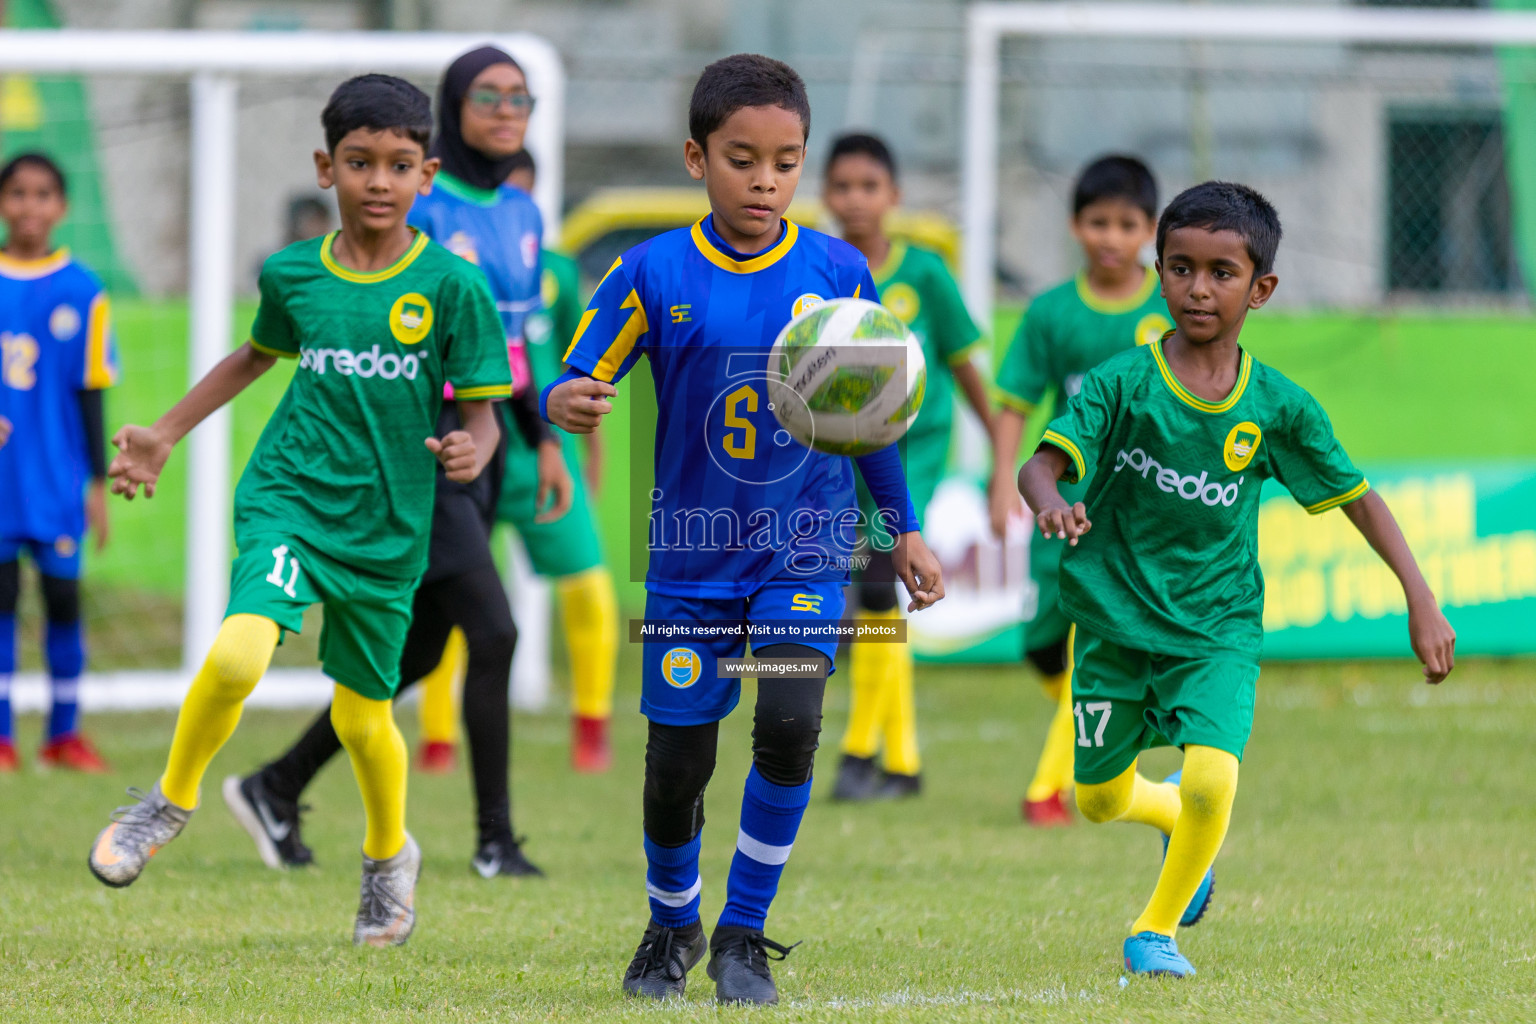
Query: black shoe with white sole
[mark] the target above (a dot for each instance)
(503, 855)
(271, 821)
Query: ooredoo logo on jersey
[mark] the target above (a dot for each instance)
(1172, 481)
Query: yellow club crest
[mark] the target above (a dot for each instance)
(410, 318)
(1241, 444)
(901, 299)
(1151, 328)
(680, 667)
(810, 300)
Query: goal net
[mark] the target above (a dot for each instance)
(189, 159)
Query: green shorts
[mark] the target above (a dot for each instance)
(1126, 701)
(564, 547)
(366, 617)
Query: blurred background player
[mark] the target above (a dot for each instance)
(1112, 304)
(860, 189)
(479, 128)
(58, 358)
(568, 549)
(335, 504)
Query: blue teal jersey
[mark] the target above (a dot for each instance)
(737, 502)
(56, 340)
(502, 233)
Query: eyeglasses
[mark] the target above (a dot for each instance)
(489, 101)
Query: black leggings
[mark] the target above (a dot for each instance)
(874, 587)
(61, 597)
(679, 759)
(475, 602)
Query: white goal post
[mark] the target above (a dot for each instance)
(214, 63)
(988, 24)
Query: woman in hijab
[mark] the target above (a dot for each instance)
(483, 109)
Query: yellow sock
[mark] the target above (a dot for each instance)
(1131, 797)
(211, 710)
(589, 612)
(870, 670)
(901, 756)
(1205, 795)
(440, 690)
(1053, 772)
(367, 729)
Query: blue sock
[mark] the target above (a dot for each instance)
(66, 658)
(770, 817)
(7, 667)
(672, 881)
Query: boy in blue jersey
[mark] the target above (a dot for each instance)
(56, 338)
(747, 528)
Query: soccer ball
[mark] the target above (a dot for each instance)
(846, 377)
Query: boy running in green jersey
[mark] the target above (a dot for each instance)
(1161, 570)
(1111, 305)
(860, 190)
(335, 505)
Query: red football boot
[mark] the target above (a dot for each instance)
(72, 752)
(9, 762)
(590, 752)
(1052, 812)
(437, 757)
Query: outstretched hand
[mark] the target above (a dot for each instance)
(919, 571)
(141, 455)
(456, 451)
(1064, 523)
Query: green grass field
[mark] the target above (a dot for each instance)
(1378, 869)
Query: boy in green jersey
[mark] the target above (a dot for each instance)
(1111, 305)
(860, 190)
(1161, 571)
(335, 505)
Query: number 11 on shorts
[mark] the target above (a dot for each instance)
(1081, 711)
(275, 577)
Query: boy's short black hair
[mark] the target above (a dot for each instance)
(1116, 177)
(41, 161)
(862, 144)
(745, 80)
(377, 103)
(1226, 206)
(522, 160)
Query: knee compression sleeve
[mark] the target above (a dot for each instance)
(786, 724)
(679, 760)
(367, 730)
(235, 664)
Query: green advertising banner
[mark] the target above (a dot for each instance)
(1327, 595)
(1473, 530)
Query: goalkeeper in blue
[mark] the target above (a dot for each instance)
(747, 527)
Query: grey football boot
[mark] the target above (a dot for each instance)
(136, 834)
(386, 911)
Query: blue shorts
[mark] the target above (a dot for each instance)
(59, 559)
(679, 685)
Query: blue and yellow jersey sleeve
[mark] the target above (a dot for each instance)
(1080, 431)
(272, 332)
(99, 354)
(1309, 460)
(613, 331)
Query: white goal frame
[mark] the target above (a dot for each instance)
(213, 63)
(989, 23)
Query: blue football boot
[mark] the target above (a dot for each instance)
(1157, 955)
(1202, 899)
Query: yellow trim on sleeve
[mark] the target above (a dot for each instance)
(488, 391)
(748, 266)
(31, 270)
(99, 371)
(264, 350)
(1244, 370)
(608, 366)
(1355, 493)
(375, 276)
(964, 355)
(1112, 306)
(890, 265)
(1016, 403)
(1053, 438)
